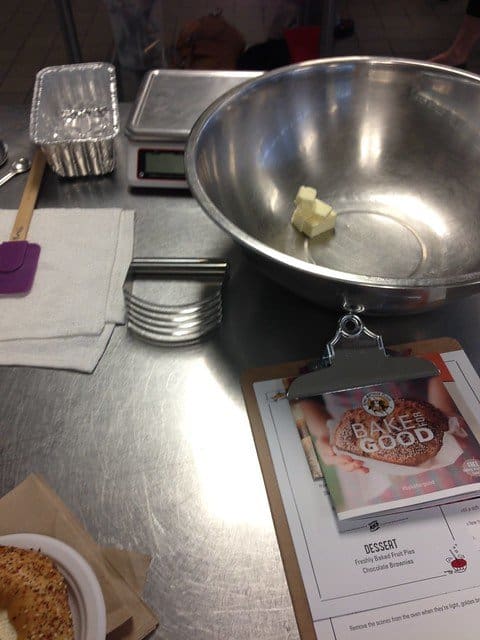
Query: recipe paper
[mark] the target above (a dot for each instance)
(397, 561)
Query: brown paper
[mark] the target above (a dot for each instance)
(132, 566)
(33, 507)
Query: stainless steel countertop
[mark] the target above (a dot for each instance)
(153, 451)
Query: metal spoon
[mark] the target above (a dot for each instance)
(19, 166)
(3, 153)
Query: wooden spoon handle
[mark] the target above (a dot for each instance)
(29, 198)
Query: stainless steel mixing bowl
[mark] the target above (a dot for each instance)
(392, 145)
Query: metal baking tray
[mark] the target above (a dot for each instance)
(74, 118)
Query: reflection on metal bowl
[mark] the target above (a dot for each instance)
(392, 145)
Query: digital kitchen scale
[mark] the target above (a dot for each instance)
(167, 105)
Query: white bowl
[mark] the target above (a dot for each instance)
(84, 592)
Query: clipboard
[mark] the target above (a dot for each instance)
(285, 542)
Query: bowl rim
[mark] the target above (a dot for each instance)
(259, 247)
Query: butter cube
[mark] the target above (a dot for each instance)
(321, 208)
(299, 216)
(305, 197)
(312, 216)
(315, 225)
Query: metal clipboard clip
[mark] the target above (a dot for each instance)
(356, 357)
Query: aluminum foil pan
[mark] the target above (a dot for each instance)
(74, 118)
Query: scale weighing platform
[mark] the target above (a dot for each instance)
(166, 108)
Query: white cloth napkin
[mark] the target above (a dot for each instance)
(68, 317)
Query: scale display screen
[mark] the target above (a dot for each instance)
(160, 164)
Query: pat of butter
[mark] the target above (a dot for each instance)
(305, 197)
(312, 216)
(321, 208)
(7, 630)
(299, 216)
(315, 225)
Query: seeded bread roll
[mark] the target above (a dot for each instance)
(35, 595)
(347, 439)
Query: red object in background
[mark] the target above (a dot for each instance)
(303, 43)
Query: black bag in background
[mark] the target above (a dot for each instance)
(264, 56)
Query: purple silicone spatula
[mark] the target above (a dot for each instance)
(19, 258)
